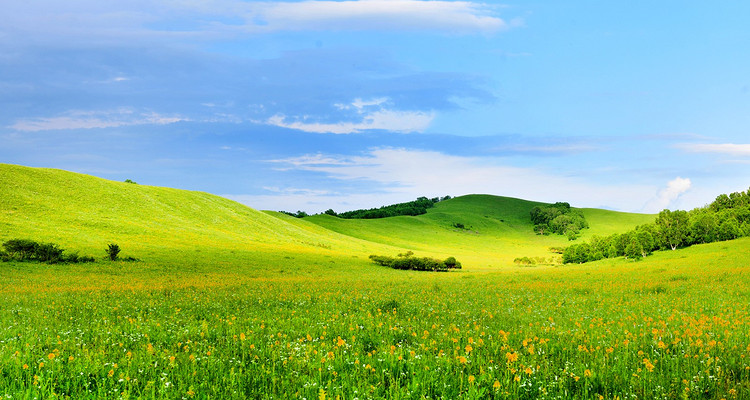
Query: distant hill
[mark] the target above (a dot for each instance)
(486, 229)
(85, 213)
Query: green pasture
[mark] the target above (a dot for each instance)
(229, 302)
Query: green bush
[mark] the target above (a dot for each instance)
(407, 261)
(20, 249)
(28, 250)
(452, 263)
(48, 252)
(112, 251)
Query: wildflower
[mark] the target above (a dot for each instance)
(528, 371)
(496, 385)
(322, 394)
(471, 379)
(511, 357)
(26, 366)
(242, 336)
(462, 359)
(111, 373)
(517, 378)
(468, 348)
(51, 356)
(587, 373)
(71, 358)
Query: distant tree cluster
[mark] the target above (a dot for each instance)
(416, 207)
(727, 218)
(29, 250)
(558, 218)
(298, 214)
(407, 261)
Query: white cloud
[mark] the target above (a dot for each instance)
(401, 175)
(372, 115)
(668, 195)
(147, 20)
(452, 16)
(731, 149)
(94, 119)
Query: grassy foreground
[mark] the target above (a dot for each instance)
(215, 312)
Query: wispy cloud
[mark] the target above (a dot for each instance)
(400, 174)
(369, 115)
(452, 16)
(98, 21)
(731, 149)
(94, 119)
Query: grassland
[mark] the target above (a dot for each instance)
(229, 302)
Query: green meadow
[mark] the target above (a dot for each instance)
(229, 302)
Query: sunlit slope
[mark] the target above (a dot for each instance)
(496, 229)
(85, 213)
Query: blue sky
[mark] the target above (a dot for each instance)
(309, 105)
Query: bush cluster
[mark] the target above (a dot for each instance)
(407, 261)
(558, 218)
(29, 250)
(728, 217)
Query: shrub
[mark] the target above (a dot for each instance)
(85, 259)
(452, 263)
(48, 252)
(112, 251)
(406, 261)
(384, 261)
(24, 249)
(20, 249)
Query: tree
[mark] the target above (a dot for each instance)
(703, 227)
(672, 227)
(634, 250)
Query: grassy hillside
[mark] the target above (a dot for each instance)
(85, 213)
(497, 229)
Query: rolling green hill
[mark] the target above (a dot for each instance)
(84, 213)
(497, 229)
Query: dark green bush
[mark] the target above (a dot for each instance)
(407, 261)
(48, 252)
(112, 251)
(28, 250)
(452, 263)
(20, 249)
(385, 261)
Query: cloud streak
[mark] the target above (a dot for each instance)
(99, 22)
(94, 119)
(370, 114)
(409, 15)
(730, 149)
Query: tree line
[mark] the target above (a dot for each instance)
(558, 218)
(416, 207)
(726, 218)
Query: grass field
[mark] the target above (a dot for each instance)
(228, 302)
